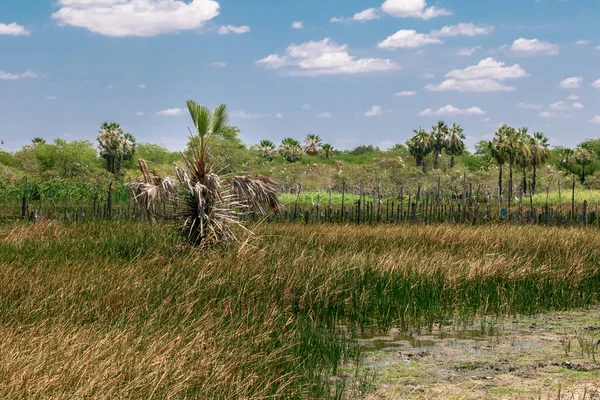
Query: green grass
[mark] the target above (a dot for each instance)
(115, 310)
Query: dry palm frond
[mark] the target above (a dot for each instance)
(152, 191)
(255, 192)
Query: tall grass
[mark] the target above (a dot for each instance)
(114, 310)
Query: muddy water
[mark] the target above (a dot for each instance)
(550, 356)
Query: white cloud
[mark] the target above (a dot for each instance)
(527, 106)
(596, 84)
(405, 94)
(468, 51)
(219, 64)
(488, 68)
(471, 85)
(582, 42)
(408, 39)
(171, 112)
(578, 106)
(339, 20)
(122, 18)
(297, 24)
(306, 107)
(325, 57)
(279, 116)
(51, 98)
(463, 30)
(571, 83)
(426, 76)
(545, 114)
(142, 86)
(138, 113)
(323, 115)
(375, 111)
(367, 15)
(559, 105)
(245, 115)
(13, 29)
(451, 110)
(595, 120)
(573, 97)
(412, 9)
(25, 75)
(534, 46)
(239, 30)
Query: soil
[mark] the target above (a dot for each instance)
(550, 356)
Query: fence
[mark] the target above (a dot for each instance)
(420, 206)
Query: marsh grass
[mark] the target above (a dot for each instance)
(121, 310)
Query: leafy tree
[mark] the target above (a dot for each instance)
(155, 153)
(313, 144)
(362, 149)
(74, 158)
(327, 150)
(291, 150)
(267, 148)
(584, 157)
(438, 141)
(420, 146)
(115, 146)
(539, 154)
(455, 143)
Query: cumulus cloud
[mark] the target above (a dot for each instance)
(246, 115)
(138, 113)
(451, 110)
(463, 30)
(559, 105)
(412, 9)
(367, 15)
(405, 94)
(11, 77)
(487, 76)
(571, 83)
(375, 111)
(121, 18)
(578, 106)
(528, 106)
(596, 84)
(279, 116)
(469, 51)
(325, 57)
(219, 64)
(13, 29)
(142, 86)
(534, 47)
(323, 115)
(338, 20)
(595, 120)
(573, 97)
(306, 107)
(297, 24)
(238, 30)
(582, 42)
(171, 112)
(426, 76)
(408, 39)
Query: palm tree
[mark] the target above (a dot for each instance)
(115, 146)
(327, 150)
(291, 150)
(455, 143)
(313, 144)
(267, 147)
(566, 157)
(420, 146)
(498, 151)
(524, 154)
(36, 141)
(438, 141)
(584, 156)
(512, 145)
(539, 155)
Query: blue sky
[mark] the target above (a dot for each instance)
(353, 71)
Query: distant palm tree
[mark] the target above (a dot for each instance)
(566, 157)
(540, 153)
(291, 149)
(524, 154)
(313, 144)
(584, 156)
(512, 145)
(327, 150)
(115, 146)
(36, 141)
(420, 146)
(455, 143)
(497, 149)
(268, 148)
(438, 141)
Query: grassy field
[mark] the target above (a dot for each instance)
(111, 310)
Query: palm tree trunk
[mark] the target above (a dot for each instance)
(524, 180)
(534, 178)
(583, 173)
(510, 181)
(436, 159)
(452, 161)
(500, 169)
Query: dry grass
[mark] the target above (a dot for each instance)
(114, 310)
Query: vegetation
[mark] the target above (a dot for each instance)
(124, 311)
